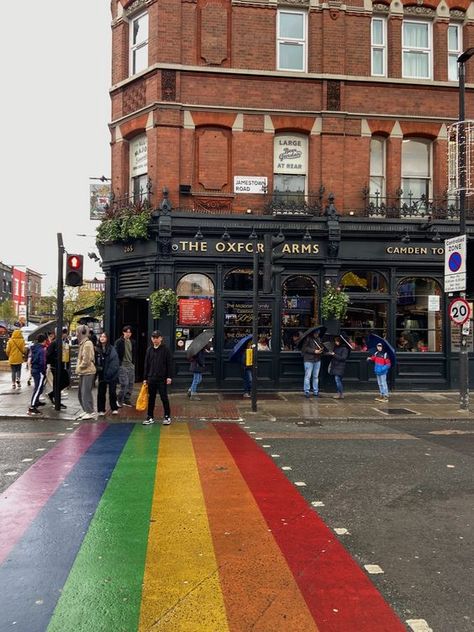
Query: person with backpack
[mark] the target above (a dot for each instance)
(38, 373)
(16, 354)
(382, 366)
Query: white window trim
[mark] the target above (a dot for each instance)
(382, 47)
(131, 47)
(282, 40)
(429, 50)
(458, 51)
(383, 141)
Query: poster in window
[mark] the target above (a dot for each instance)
(195, 311)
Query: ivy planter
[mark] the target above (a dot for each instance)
(334, 304)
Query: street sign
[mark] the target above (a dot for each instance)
(455, 264)
(459, 311)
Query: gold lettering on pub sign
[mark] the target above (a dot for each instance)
(415, 250)
(238, 247)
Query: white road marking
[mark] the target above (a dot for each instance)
(26, 460)
(341, 531)
(317, 503)
(10, 473)
(275, 456)
(286, 467)
(373, 569)
(52, 440)
(266, 446)
(419, 625)
(451, 466)
(300, 484)
(40, 449)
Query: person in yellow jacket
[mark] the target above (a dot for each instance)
(86, 371)
(15, 352)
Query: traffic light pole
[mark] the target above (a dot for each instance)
(59, 324)
(254, 239)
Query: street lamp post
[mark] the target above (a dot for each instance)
(463, 350)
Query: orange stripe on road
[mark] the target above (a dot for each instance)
(260, 592)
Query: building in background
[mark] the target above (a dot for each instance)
(94, 285)
(26, 292)
(325, 121)
(5, 282)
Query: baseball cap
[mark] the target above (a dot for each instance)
(156, 334)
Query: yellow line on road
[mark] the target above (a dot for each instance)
(181, 588)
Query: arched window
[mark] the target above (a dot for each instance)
(299, 309)
(241, 280)
(416, 168)
(419, 315)
(377, 168)
(195, 294)
(289, 168)
(363, 281)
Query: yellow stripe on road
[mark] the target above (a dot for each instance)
(181, 589)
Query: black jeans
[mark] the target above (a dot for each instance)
(159, 385)
(101, 395)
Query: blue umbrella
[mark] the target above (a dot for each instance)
(372, 342)
(238, 350)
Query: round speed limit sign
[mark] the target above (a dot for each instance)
(459, 311)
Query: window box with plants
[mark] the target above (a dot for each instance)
(334, 304)
(124, 225)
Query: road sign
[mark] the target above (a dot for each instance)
(455, 264)
(459, 311)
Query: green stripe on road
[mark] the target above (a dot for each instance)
(103, 590)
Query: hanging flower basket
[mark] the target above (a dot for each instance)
(163, 302)
(334, 303)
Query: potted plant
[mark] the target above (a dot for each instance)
(334, 303)
(163, 301)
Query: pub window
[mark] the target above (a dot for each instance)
(241, 280)
(238, 322)
(416, 168)
(419, 316)
(139, 168)
(138, 43)
(364, 318)
(363, 281)
(299, 309)
(289, 166)
(195, 293)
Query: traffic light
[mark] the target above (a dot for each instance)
(270, 256)
(74, 270)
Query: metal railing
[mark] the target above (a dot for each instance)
(408, 206)
(293, 203)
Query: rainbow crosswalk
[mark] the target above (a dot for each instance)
(187, 528)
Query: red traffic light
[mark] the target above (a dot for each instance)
(74, 262)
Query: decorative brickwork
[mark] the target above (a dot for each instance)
(168, 85)
(134, 97)
(334, 96)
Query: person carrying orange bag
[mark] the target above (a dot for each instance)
(142, 399)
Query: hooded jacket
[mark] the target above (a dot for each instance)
(38, 358)
(381, 362)
(16, 348)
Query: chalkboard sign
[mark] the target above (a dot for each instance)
(73, 353)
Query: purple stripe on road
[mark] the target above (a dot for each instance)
(22, 501)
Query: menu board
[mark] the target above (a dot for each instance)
(194, 311)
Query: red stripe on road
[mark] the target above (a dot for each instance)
(338, 593)
(22, 501)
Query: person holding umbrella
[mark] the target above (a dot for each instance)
(197, 365)
(311, 349)
(382, 366)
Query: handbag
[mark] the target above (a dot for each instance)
(142, 399)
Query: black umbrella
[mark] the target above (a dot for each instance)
(42, 329)
(319, 329)
(344, 338)
(199, 343)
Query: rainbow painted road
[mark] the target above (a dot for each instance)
(124, 528)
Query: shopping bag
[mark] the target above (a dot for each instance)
(142, 399)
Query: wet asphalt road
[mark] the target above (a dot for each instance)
(403, 491)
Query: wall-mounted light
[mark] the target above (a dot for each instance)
(225, 236)
(351, 213)
(249, 211)
(406, 237)
(436, 237)
(307, 235)
(199, 236)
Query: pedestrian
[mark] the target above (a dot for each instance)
(38, 373)
(51, 361)
(337, 366)
(311, 350)
(157, 375)
(382, 366)
(107, 365)
(126, 350)
(15, 351)
(86, 371)
(197, 366)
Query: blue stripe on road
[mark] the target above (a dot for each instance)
(36, 570)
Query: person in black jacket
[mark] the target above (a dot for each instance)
(107, 364)
(337, 366)
(157, 374)
(51, 359)
(127, 351)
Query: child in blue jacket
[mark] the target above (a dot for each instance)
(381, 368)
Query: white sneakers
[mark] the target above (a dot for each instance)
(147, 422)
(166, 421)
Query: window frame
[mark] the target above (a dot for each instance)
(133, 48)
(382, 191)
(454, 53)
(293, 41)
(428, 179)
(375, 47)
(428, 50)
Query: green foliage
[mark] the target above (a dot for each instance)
(127, 226)
(99, 304)
(334, 303)
(163, 301)
(7, 312)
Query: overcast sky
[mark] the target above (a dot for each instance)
(55, 108)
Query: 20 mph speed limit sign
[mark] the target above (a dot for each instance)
(459, 311)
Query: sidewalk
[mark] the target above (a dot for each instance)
(283, 406)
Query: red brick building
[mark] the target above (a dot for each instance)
(327, 121)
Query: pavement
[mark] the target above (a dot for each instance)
(276, 406)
